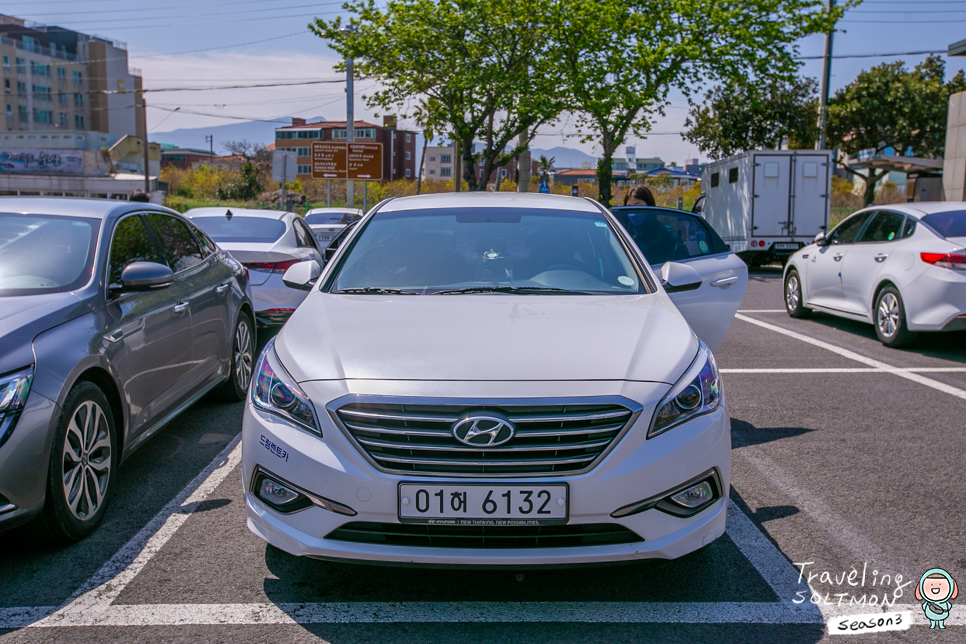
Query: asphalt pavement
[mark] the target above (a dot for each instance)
(848, 456)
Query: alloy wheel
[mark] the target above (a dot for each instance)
(87, 460)
(887, 315)
(792, 297)
(243, 354)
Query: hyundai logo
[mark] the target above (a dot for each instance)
(483, 431)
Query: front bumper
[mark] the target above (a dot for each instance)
(636, 469)
(23, 461)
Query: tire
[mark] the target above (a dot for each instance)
(889, 318)
(235, 388)
(83, 464)
(794, 303)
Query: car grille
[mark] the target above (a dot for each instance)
(549, 439)
(495, 537)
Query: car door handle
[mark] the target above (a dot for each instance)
(180, 308)
(881, 257)
(838, 257)
(123, 332)
(725, 281)
(221, 289)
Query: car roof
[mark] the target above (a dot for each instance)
(73, 206)
(491, 200)
(923, 208)
(320, 211)
(244, 212)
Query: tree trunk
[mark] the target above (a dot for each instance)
(422, 160)
(870, 181)
(466, 164)
(605, 174)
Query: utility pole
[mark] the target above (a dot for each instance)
(457, 165)
(210, 138)
(523, 163)
(144, 121)
(826, 83)
(350, 120)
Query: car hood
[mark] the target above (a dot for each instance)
(486, 337)
(23, 318)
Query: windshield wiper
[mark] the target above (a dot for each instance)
(372, 290)
(518, 290)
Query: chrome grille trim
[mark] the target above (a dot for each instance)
(413, 436)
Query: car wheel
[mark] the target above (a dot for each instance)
(83, 457)
(793, 296)
(890, 319)
(235, 387)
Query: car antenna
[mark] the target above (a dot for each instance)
(228, 215)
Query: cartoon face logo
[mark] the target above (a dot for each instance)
(935, 590)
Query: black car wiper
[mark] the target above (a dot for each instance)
(518, 290)
(373, 290)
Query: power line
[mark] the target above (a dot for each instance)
(905, 53)
(903, 22)
(222, 22)
(180, 6)
(100, 21)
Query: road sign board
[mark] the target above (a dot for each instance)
(284, 165)
(544, 186)
(329, 160)
(342, 160)
(365, 161)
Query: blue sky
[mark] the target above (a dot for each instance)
(208, 39)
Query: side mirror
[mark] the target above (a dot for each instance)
(144, 276)
(679, 277)
(301, 276)
(820, 239)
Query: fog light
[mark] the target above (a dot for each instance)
(275, 492)
(694, 497)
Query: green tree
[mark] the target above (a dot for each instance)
(545, 166)
(478, 66)
(621, 58)
(741, 116)
(890, 106)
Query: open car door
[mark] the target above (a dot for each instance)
(666, 235)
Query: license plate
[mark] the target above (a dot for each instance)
(481, 504)
(781, 246)
(325, 238)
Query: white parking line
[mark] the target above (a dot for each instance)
(762, 311)
(851, 355)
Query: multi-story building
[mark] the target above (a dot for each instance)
(57, 79)
(398, 146)
(440, 165)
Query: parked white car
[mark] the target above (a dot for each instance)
(326, 223)
(901, 267)
(266, 242)
(512, 385)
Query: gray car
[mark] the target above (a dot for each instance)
(114, 317)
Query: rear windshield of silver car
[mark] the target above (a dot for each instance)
(320, 219)
(45, 253)
(951, 223)
(241, 229)
(481, 250)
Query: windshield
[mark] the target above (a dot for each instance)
(951, 223)
(45, 254)
(322, 218)
(504, 250)
(241, 228)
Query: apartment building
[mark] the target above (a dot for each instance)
(398, 146)
(57, 79)
(439, 165)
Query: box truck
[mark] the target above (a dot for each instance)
(767, 204)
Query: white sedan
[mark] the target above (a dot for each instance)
(512, 385)
(327, 223)
(266, 242)
(901, 267)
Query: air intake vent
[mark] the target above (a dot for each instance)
(495, 537)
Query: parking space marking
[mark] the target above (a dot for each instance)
(848, 370)
(762, 311)
(851, 355)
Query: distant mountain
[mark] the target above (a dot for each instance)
(564, 157)
(254, 131)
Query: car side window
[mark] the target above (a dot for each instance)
(302, 237)
(180, 248)
(131, 243)
(909, 227)
(845, 232)
(885, 227)
(208, 247)
(667, 236)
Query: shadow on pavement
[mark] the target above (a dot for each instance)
(744, 434)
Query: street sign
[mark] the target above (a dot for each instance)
(342, 160)
(365, 161)
(544, 186)
(329, 160)
(574, 191)
(284, 165)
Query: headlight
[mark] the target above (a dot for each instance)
(277, 393)
(698, 392)
(14, 388)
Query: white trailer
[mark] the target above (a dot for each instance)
(767, 204)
